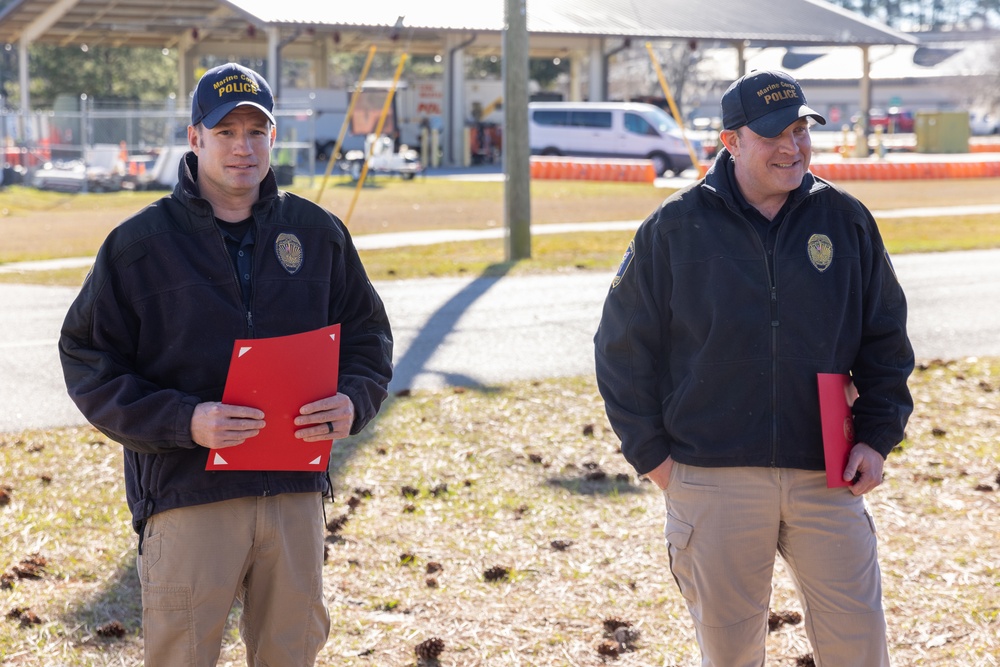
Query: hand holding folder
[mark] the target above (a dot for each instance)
(278, 376)
(836, 395)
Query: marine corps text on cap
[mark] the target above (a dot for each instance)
(766, 101)
(223, 88)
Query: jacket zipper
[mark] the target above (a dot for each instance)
(774, 373)
(773, 322)
(264, 479)
(255, 230)
(772, 283)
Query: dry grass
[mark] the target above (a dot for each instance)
(37, 225)
(42, 225)
(524, 479)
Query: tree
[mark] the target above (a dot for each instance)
(104, 74)
(631, 76)
(924, 15)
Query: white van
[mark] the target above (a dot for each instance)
(609, 129)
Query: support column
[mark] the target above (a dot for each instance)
(454, 99)
(185, 76)
(274, 60)
(741, 59)
(23, 80)
(575, 74)
(597, 84)
(321, 58)
(861, 130)
(516, 149)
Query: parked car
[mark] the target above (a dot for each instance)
(983, 123)
(893, 120)
(610, 129)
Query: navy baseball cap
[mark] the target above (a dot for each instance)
(223, 88)
(766, 101)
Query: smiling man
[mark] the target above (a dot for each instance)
(731, 298)
(145, 349)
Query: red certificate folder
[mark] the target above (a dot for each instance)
(836, 395)
(280, 375)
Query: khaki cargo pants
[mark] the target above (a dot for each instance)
(266, 552)
(723, 528)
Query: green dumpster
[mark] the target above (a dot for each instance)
(942, 131)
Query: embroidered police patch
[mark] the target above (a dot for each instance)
(288, 248)
(623, 267)
(820, 249)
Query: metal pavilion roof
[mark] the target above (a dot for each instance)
(147, 23)
(766, 21)
(168, 23)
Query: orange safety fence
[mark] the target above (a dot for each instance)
(897, 170)
(592, 169)
(985, 146)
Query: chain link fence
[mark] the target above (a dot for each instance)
(111, 148)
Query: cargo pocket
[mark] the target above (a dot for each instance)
(168, 624)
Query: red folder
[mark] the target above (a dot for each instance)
(836, 395)
(280, 375)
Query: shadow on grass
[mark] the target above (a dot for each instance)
(420, 351)
(590, 486)
(119, 601)
(352, 184)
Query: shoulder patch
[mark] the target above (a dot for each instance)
(288, 248)
(626, 262)
(820, 251)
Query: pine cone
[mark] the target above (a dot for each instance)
(25, 615)
(336, 524)
(114, 630)
(607, 648)
(32, 567)
(496, 573)
(613, 623)
(626, 636)
(429, 649)
(775, 619)
(790, 617)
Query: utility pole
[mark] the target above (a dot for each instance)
(516, 149)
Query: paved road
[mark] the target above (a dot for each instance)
(489, 331)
